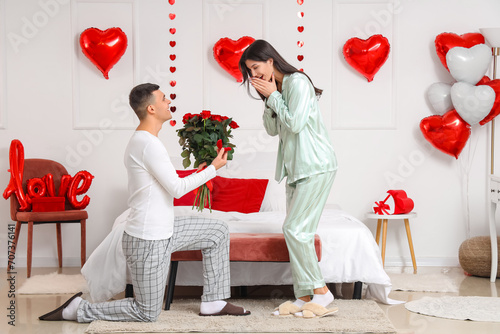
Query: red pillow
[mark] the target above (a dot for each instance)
(188, 199)
(240, 195)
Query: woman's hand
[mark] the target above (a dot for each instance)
(202, 166)
(221, 159)
(264, 87)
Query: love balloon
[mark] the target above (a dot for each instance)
(472, 99)
(103, 48)
(367, 56)
(227, 53)
(70, 186)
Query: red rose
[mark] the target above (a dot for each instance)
(216, 118)
(186, 118)
(234, 125)
(224, 118)
(205, 114)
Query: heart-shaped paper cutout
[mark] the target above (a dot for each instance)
(448, 133)
(439, 95)
(367, 56)
(495, 110)
(472, 103)
(447, 41)
(469, 65)
(227, 53)
(103, 48)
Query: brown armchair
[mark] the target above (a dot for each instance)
(37, 168)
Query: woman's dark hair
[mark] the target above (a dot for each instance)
(261, 50)
(140, 97)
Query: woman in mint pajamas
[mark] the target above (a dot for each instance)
(305, 157)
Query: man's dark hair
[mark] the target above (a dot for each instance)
(141, 97)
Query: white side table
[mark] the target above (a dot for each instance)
(382, 222)
(494, 200)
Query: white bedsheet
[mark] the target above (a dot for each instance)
(349, 254)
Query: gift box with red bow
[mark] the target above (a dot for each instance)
(396, 203)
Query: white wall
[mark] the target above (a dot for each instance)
(54, 101)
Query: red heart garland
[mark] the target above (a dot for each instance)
(367, 56)
(495, 110)
(446, 41)
(448, 133)
(103, 48)
(227, 53)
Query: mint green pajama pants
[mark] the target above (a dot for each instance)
(305, 200)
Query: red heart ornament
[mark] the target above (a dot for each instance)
(172, 69)
(396, 203)
(172, 30)
(173, 96)
(300, 28)
(227, 53)
(367, 56)
(495, 110)
(172, 57)
(173, 122)
(103, 48)
(171, 16)
(446, 41)
(173, 109)
(173, 83)
(448, 133)
(172, 43)
(402, 204)
(300, 57)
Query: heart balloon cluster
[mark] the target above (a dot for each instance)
(472, 99)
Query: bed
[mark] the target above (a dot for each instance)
(349, 251)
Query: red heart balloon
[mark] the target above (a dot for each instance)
(103, 48)
(495, 110)
(448, 133)
(227, 53)
(447, 40)
(367, 56)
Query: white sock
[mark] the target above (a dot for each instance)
(323, 300)
(298, 302)
(212, 307)
(69, 312)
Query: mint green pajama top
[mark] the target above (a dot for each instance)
(304, 145)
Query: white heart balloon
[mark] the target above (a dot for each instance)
(469, 65)
(472, 103)
(439, 95)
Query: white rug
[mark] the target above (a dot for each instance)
(354, 316)
(53, 283)
(458, 307)
(425, 282)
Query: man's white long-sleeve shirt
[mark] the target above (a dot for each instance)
(152, 185)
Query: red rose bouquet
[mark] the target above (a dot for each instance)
(200, 136)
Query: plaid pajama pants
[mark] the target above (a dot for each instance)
(149, 262)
